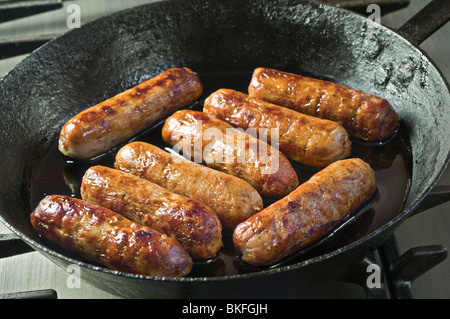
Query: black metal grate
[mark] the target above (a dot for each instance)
(398, 271)
(12, 10)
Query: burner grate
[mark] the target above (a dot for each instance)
(13, 10)
(36, 294)
(11, 245)
(398, 271)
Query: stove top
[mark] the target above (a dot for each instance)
(416, 255)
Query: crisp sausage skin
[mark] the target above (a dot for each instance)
(303, 138)
(231, 198)
(190, 222)
(312, 210)
(102, 236)
(97, 129)
(365, 116)
(220, 146)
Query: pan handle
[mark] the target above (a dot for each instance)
(427, 21)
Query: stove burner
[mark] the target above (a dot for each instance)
(12, 10)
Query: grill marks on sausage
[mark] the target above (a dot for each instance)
(231, 198)
(313, 209)
(195, 225)
(364, 116)
(102, 236)
(103, 126)
(306, 139)
(285, 226)
(273, 176)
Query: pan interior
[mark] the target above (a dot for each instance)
(112, 54)
(59, 175)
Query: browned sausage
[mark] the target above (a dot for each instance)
(193, 224)
(109, 123)
(315, 208)
(364, 116)
(102, 236)
(303, 138)
(229, 150)
(231, 198)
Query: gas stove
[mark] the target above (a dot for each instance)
(414, 258)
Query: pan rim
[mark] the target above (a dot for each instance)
(403, 214)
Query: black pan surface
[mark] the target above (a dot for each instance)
(107, 56)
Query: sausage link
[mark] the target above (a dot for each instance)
(102, 236)
(364, 116)
(231, 151)
(303, 138)
(312, 210)
(111, 122)
(231, 198)
(193, 224)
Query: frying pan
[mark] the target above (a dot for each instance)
(227, 38)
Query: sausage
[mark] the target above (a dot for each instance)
(218, 145)
(111, 122)
(365, 116)
(303, 138)
(193, 224)
(312, 210)
(231, 198)
(102, 236)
